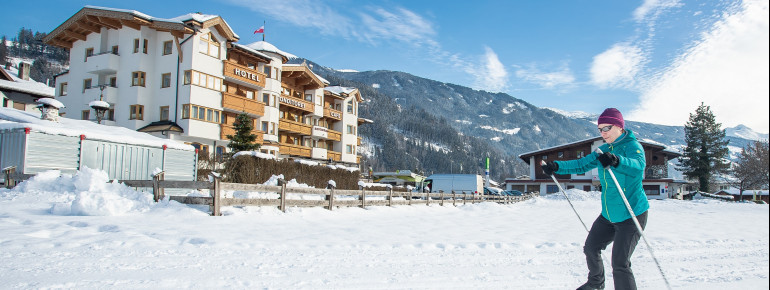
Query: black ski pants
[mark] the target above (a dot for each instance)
(625, 237)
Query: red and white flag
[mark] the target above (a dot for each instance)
(260, 30)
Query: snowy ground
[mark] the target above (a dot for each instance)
(81, 233)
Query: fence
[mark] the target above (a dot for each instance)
(331, 196)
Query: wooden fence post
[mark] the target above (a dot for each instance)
(465, 197)
(330, 197)
(408, 197)
(9, 183)
(442, 198)
(390, 197)
(283, 194)
(157, 191)
(216, 206)
(363, 197)
(427, 198)
(454, 198)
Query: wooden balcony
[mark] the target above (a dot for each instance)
(359, 141)
(333, 114)
(334, 156)
(295, 127)
(244, 74)
(335, 135)
(287, 100)
(294, 150)
(226, 129)
(239, 104)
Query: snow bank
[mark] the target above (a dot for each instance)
(87, 193)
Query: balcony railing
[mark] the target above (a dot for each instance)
(244, 74)
(293, 102)
(294, 150)
(240, 104)
(334, 156)
(295, 127)
(326, 133)
(103, 63)
(226, 129)
(333, 114)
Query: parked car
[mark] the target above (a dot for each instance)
(513, 193)
(459, 183)
(493, 191)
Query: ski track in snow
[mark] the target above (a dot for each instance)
(536, 244)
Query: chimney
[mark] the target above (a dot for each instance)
(24, 70)
(7, 65)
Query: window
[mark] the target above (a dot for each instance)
(115, 50)
(349, 149)
(308, 97)
(190, 111)
(206, 81)
(580, 154)
(86, 84)
(167, 47)
(350, 107)
(545, 157)
(266, 99)
(85, 114)
(89, 52)
(351, 129)
(209, 45)
(202, 149)
(63, 89)
(114, 82)
(137, 78)
(265, 125)
(136, 113)
(5, 102)
(165, 80)
(551, 189)
(561, 154)
(267, 69)
(136, 45)
(187, 77)
(111, 114)
(164, 113)
(220, 153)
(144, 48)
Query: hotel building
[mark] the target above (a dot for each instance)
(187, 78)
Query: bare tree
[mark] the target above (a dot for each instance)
(751, 170)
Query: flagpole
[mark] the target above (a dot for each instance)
(263, 32)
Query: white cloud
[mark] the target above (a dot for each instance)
(563, 76)
(303, 13)
(652, 8)
(403, 25)
(491, 75)
(727, 69)
(617, 66)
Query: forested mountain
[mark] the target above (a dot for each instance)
(46, 60)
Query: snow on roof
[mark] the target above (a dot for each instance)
(266, 46)
(249, 49)
(99, 104)
(14, 119)
(132, 12)
(199, 17)
(52, 102)
(26, 86)
(340, 90)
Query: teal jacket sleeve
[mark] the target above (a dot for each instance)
(578, 166)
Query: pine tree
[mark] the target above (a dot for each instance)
(244, 137)
(751, 168)
(706, 150)
(3, 51)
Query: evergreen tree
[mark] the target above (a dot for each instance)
(751, 168)
(3, 51)
(244, 137)
(706, 151)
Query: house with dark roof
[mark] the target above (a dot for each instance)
(657, 182)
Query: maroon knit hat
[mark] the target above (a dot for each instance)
(613, 117)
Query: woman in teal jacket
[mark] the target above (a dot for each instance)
(624, 153)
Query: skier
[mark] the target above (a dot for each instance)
(624, 153)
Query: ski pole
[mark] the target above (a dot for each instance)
(636, 221)
(565, 196)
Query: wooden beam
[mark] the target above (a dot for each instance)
(70, 33)
(86, 26)
(108, 22)
(178, 47)
(131, 24)
(62, 43)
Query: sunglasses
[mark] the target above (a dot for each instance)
(605, 128)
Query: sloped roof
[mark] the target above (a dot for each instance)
(92, 18)
(31, 87)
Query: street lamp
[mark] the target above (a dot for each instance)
(100, 106)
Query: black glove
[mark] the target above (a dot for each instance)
(608, 159)
(550, 167)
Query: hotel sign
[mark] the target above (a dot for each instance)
(245, 74)
(292, 102)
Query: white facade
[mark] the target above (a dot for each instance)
(193, 96)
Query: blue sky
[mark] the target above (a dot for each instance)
(655, 60)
